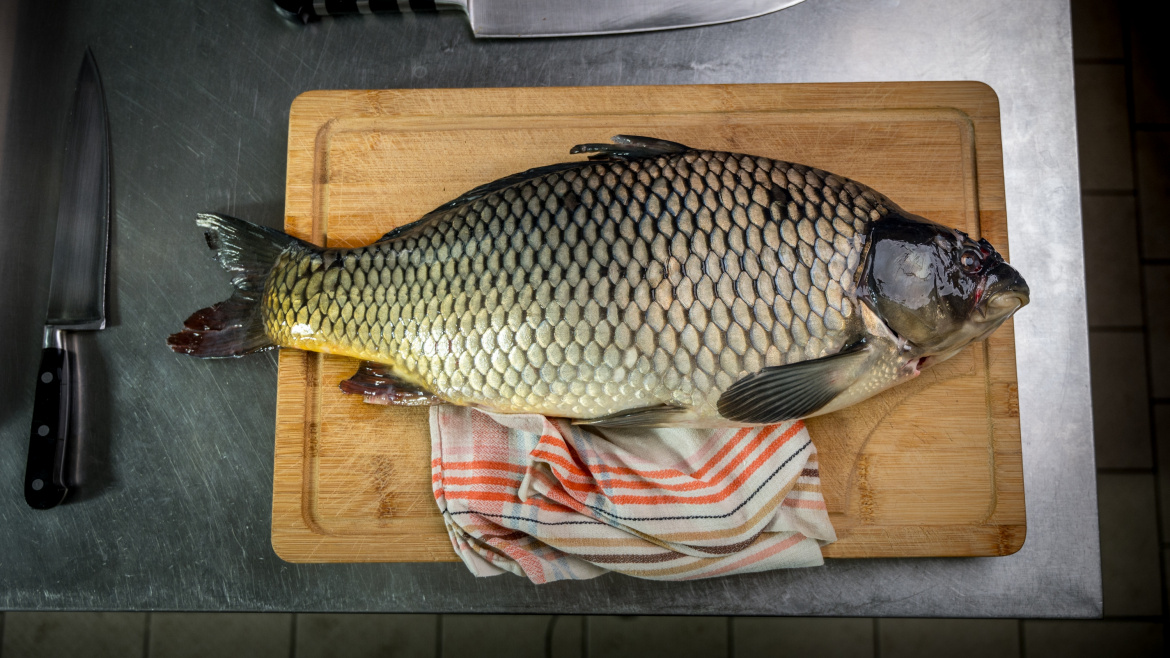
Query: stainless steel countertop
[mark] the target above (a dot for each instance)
(175, 511)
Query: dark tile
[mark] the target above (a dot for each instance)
(568, 638)
(1162, 439)
(657, 637)
(96, 634)
(1103, 127)
(1157, 279)
(954, 638)
(1096, 27)
(1091, 639)
(490, 636)
(1153, 179)
(361, 636)
(1165, 575)
(1149, 50)
(1112, 261)
(1121, 416)
(801, 636)
(568, 634)
(199, 634)
(1131, 570)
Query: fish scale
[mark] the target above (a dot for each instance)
(597, 288)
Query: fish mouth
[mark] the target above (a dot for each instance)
(1002, 292)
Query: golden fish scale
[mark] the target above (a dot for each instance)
(587, 291)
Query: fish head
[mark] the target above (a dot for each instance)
(935, 287)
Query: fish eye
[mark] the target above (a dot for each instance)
(971, 261)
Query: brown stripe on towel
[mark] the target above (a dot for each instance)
(728, 548)
(631, 558)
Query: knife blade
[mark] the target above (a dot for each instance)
(550, 18)
(77, 288)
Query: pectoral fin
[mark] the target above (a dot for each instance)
(796, 390)
(652, 416)
(378, 383)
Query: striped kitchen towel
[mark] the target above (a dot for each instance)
(548, 500)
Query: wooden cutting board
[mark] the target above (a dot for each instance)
(930, 468)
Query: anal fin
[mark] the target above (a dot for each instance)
(378, 383)
(651, 416)
(796, 390)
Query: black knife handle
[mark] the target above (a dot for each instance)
(44, 476)
(307, 11)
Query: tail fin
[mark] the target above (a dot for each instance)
(235, 326)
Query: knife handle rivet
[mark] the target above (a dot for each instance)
(46, 377)
(43, 430)
(38, 484)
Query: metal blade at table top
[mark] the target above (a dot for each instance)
(546, 18)
(77, 292)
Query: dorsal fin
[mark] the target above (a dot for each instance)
(630, 147)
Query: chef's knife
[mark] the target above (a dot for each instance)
(551, 18)
(77, 289)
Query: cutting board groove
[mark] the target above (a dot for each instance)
(930, 468)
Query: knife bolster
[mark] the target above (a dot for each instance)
(54, 338)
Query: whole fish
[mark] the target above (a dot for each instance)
(652, 284)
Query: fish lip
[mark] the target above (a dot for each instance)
(996, 290)
(1000, 306)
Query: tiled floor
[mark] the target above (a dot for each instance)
(1123, 106)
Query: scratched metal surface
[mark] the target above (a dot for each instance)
(174, 511)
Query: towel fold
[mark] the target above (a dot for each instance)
(548, 500)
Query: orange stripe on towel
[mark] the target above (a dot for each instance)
(718, 496)
(483, 464)
(589, 476)
(659, 473)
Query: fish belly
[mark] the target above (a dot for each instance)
(594, 289)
